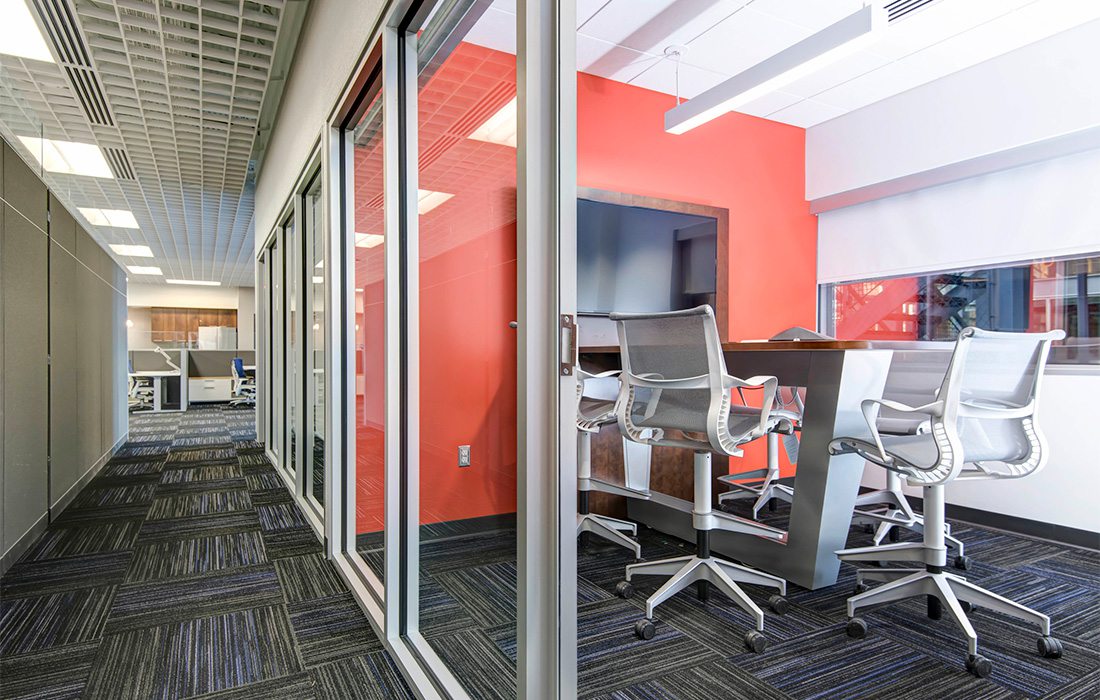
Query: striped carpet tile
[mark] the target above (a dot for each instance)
(55, 673)
(367, 677)
(200, 555)
(36, 578)
(328, 629)
(206, 503)
(34, 623)
(307, 577)
(77, 541)
(215, 472)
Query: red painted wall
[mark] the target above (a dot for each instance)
(751, 166)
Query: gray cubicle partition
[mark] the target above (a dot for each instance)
(62, 353)
(153, 361)
(216, 363)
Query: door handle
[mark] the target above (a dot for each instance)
(513, 324)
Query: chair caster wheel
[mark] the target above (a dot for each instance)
(876, 564)
(967, 607)
(963, 562)
(778, 605)
(756, 642)
(979, 665)
(1050, 648)
(644, 629)
(624, 589)
(861, 587)
(857, 628)
(894, 535)
(869, 529)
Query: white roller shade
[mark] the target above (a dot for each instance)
(1049, 209)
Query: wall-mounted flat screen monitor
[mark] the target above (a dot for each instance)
(635, 259)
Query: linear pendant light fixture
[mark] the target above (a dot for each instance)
(807, 56)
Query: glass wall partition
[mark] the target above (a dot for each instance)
(314, 239)
(292, 255)
(364, 139)
(466, 206)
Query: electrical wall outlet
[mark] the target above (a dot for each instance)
(463, 455)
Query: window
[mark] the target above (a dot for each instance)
(1037, 296)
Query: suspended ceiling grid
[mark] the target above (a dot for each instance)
(177, 86)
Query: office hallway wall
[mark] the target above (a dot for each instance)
(183, 570)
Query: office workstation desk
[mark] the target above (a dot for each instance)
(837, 376)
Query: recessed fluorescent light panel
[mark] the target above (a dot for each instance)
(368, 240)
(19, 33)
(807, 56)
(426, 200)
(143, 270)
(68, 157)
(197, 283)
(116, 218)
(499, 128)
(134, 251)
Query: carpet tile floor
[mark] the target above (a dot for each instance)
(184, 570)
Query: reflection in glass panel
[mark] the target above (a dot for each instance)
(275, 326)
(290, 362)
(370, 327)
(315, 343)
(466, 120)
(1034, 297)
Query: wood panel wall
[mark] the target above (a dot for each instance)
(172, 324)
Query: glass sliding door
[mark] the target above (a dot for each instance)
(315, 402)
(465, 131)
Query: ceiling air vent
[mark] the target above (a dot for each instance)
(60, 23)
(896, 9)
(120, 163)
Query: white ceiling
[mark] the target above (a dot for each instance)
(625, 40)
(183, 82)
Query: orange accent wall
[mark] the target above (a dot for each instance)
(751, 166)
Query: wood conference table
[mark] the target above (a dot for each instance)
(837, 376)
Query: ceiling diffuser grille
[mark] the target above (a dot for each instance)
(896, 9)
(60, 23)
(120, 163)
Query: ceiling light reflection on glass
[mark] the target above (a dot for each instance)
(368, 240)
(426, 200)
(68, 157)
(500, 128)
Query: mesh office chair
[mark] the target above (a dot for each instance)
(244, 386)
(764, 483)
(983, 425)
(594, 411)
(139, 391)
(676, 392)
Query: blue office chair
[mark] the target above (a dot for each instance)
(244, 386)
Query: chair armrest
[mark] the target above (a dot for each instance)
(583, 375)
(651, 381)
(870, 408)
(770, 385)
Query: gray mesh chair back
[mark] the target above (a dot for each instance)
(991, 389)
(674, 379)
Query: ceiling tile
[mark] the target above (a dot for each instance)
(806, 113)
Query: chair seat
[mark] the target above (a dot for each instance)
(596, 411)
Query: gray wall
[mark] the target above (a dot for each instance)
(61, 296)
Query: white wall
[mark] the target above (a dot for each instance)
(182, 296)
(1047, 92)
(1047, 209)
(924, 143)
(333, 38)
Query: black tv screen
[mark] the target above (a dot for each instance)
(637, 259)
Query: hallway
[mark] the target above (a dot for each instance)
(184, 569)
